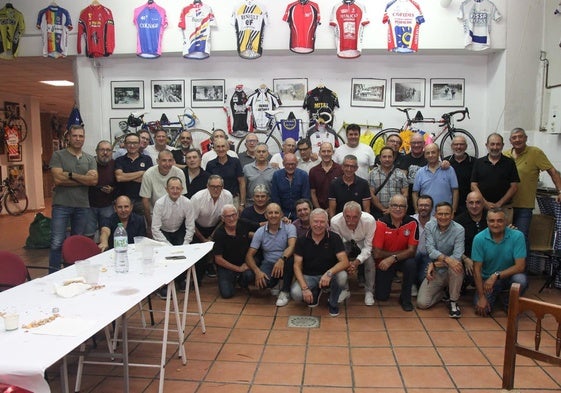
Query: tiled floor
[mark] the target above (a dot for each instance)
(249, 348)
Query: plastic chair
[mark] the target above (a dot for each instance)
(542, 239)
(13, 271)
(12, 389)
(78, 247)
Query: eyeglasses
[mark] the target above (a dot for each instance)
(216, 187)
(230, 215)
(104, 150)
(396, 206)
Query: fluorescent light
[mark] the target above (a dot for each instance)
(58, 83)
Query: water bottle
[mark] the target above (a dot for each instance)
(121, 244)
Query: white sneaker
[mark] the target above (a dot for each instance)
(414, 290)
(275, 291)
(283, 299)
(369, 299)
(344, 295)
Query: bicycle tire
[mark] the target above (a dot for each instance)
(201, 139)
(16, 205)
(446, 143)
(272, 143)
(374, 144)
(19, 124)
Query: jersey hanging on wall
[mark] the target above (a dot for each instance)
(403, 18)
(249, 20)
(477, 16)
(319, 100)
(12, 26)
(97, 26)
(150, 20)
(349, 20)
(195, 22)
(55, 23)
(303, 19)
(261, 101)
(238, 113)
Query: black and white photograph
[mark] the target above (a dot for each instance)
(168, 94)
(447, 92)
(207, 93)
(118, 128)
(127, 95)
(291, 91)
(408, 92)
(368, 92)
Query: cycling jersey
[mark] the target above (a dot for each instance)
(477, 16)
(55, 23)
(97, 26)
(150, 21)
(261, 101)
(303, 19)
(318, 135)
(195, 21)
(349, 20)
(318, 100)
(12, 27)
(238, 113)
(403, 18)
(249, 19)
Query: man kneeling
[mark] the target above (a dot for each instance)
(320, 262)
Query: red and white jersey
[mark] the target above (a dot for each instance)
(96, 24)
(261, 101)
(477, 16)
(303, 20)
(403, 18)
(349, 20)
(195, 21)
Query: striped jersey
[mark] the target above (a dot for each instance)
(303, 19)
(55, 23)
(195, 22)
(249, 20)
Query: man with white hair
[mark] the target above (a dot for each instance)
(288, 146)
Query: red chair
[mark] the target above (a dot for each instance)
(12, 389)
(13, 271)
(78, 247)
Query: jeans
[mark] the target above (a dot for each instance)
(384, 279)
(96, 217)
(336, 285)
(521, 220)
(227, 280)
(78, 217)
(287, 276)
(501, 285)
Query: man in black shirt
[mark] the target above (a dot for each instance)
(195, 176)
(349, 187)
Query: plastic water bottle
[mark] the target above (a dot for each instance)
(121, 244)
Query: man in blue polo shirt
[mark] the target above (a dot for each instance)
(288, 185)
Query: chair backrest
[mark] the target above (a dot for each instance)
(542, 230)
(77, 247)
(13, 271)
(516, 306)
(4, 388)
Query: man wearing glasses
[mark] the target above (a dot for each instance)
(307, 160)
(248, 156)
(349, 187)
(179, 155)
(463, 166)
(394, 246)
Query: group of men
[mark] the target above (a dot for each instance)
(301, 222)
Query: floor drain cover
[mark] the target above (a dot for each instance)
(299, 321)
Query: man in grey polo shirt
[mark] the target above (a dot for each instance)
(258, 172)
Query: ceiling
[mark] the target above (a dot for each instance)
(22, 75)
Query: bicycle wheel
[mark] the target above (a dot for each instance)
(16, 203)
(379, 139)
(19, 124)
(273, 143)
(201, 139)
(446, 143)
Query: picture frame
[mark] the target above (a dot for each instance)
(408, 92)
(291, 91)
(167, 93)
(368, 92)
(15, 157)
(117, 128)
(127, 95)
(208, 93)
(447, 92)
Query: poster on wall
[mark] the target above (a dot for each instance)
(447, 92)
(127, 95)
(291, 91)
(168, 94)
(118, 128)
(368, 92)
(14, 153)
(408, 92)
(207, 93)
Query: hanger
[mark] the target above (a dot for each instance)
(150, 1)
(95, 2)
(9, 5)
(303, 1)
(262, 86)
(348, 1)
(53, 4)
(197, 2)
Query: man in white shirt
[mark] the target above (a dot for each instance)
(160, 144)
(288, 146)
(363, 153)
(306, 161)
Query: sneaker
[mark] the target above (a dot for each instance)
(369, 299)
(317, 294)
(283, 299)
(333, 310)
(276, 289)
(455, 311)
(344, 295)
(406, 306)
(414, 290)
(163, 292)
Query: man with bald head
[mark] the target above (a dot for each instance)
(463, 166)
(322, 175)
(288, 146)
(132, 222)
(410, 163)
(288, 185)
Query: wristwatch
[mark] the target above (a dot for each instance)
(498, 275)
(395, 258)
(328, 273)
(284, 258)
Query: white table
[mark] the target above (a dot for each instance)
(25, 355)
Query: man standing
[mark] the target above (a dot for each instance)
(133, 223)
(348, 187)
(445, 247)
(129, 170)
(73, 172)
(363, 153)
(211, 154)
(499, 259)
(258, 171)
(230, 169)
(249, 155)
(410, 163)
(319, 262)
(495, 176)
(463, 166)
(160, 144)
(357, 229)
(306, 161)
(394, 246)
(101, 196)
(145, 139)
(322, 175)
(179, 155)
(288, 185)
(195, 176)
(231, 242)
(276, 240)
(394, 142)
(386, 181)
(302, 223)
(288, 147)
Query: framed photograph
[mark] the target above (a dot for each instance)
(291, 91)
(12, 108)
(207, 93)
(127, 95)
(408, 92)
(368, 92)
(118, 128)
(14, 153)
(447, 92)
(168, 94)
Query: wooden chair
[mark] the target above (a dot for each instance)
(518, 305)
(542, 240)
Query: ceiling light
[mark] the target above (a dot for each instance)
(58, 83)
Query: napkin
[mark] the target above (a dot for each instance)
(71, 290)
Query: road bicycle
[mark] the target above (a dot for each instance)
(365, 131)
(13, 197)
(274, 125)
(14, 122)
(446, 134)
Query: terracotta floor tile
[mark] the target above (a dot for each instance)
(194, 370)
(393, 309)
(223, 388)
(482, 377)
(288, 337)
(333, 338)
(377, 376)
(281, 322)
(357, 324)
(403, 323)
(201, 350)
(489, 338)
(462, 356)
(240, 353)
(425, 356)
(409, 339)
(258, 309)
(532, 377)
(327, 375)
(439, 324)
(359, 310)
(225, 308)
(333, 324)
(279, 374)
(480, 323)
(323, 389)
(174, 386)
(213, 334)
(237, 372)
(372, 356)
(220, 320)
(553, 372)
(383, 390)
(254, 322)
(426, 377)
(370, 339)
(253, 336)
(451, 339)
(115, 384)
(274, 389)
(284, 354)
(496, 357)
(429, 390)
(327, 355)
